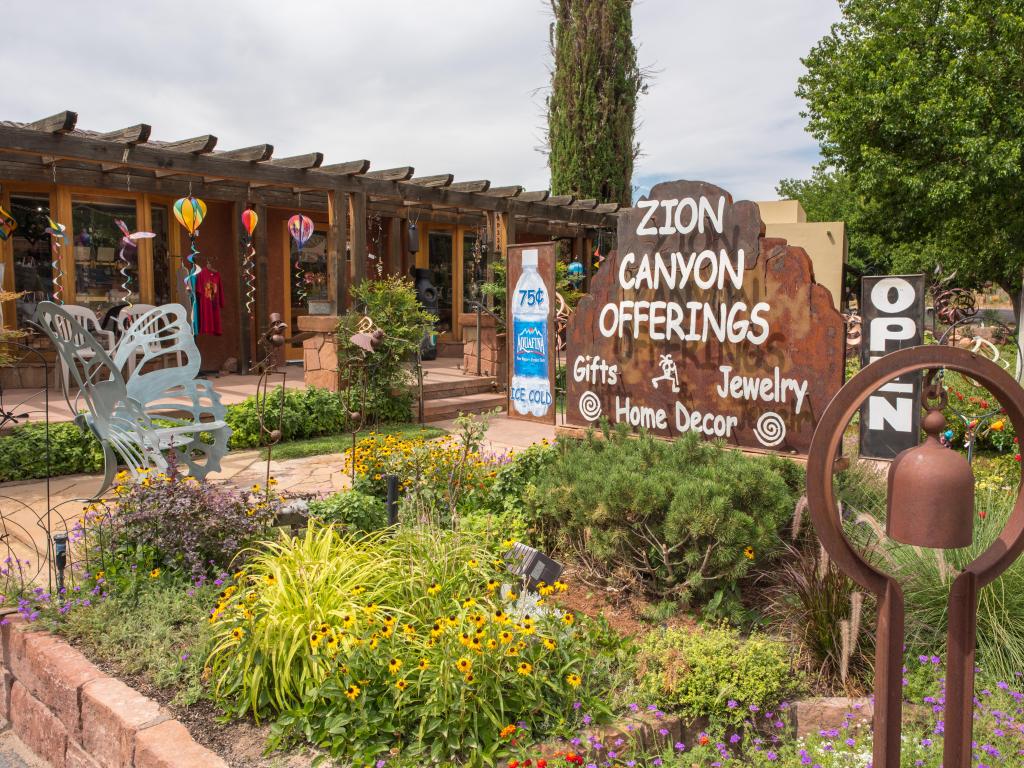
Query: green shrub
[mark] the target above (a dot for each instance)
(684, 519)
(407, 643)
(309, 412)
(384, 376)
(353, 510)
(714, 673)
(72, 451)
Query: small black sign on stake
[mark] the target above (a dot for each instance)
(892, 317)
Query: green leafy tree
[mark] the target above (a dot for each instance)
(595, 84)
(921, 102)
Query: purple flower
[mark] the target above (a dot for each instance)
(680, 747)
(731, 704)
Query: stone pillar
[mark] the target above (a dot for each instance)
(492, 347)
(320, 351)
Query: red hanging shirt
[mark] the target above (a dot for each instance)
(211, 301)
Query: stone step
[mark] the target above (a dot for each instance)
(450, 407)
(456, 386)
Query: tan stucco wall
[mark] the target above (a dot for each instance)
(824, 241)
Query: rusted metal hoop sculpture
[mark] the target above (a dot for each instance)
(963, 595)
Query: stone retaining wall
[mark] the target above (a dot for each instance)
(73, 716)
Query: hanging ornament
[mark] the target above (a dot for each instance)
(249, 221)
(190, 211)
(56, 232)
(575, 272)
(301, 229)
(7, 224)
(128, 240)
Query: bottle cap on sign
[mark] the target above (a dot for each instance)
(530, 258)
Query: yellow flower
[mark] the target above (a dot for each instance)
(526, 626)
(358, 590)
(347, 620)
(237, 633)
(464, 665)
(409, 630)
(508, 543)
(256, 488)
(469, 602)
(505, 637)
(568, 619)
(561, 586)
(472, 562)
(453, 619)
(550, 644)
(314, 640)
(324, 629)
(423, 665)
(270, 579)
(246, 614)
(394, 665)
(370, 608)
(500, 617)
(524, 668)
(478, 619)
(748, 552)
(332, 643)
(100, 575)
(470, 679)
(389, 621)
(401, 684)
(492, 585)
(155, 573)
(352, 692)
(436, 630)
(573, 679)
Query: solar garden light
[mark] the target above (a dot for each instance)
(532, 566)
(930, 504)
(60, 557)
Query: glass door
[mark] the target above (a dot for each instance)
(441, 263)
(306, 273)
(33, 275)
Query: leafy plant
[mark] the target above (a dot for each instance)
(308, 412)
(175, 522)
(23, 451)
(683, 520)
(382, 378)
(352, 510)
(401, 643)
(714, 673)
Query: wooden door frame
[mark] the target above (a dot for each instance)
(457, 232)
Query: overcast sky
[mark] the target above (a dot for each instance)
(443, 85)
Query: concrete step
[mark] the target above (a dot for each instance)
(449, 407)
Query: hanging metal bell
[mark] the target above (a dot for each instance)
(414, 238)
(931, 492)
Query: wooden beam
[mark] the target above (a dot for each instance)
(77, 148)
(587, 204)
(135, 134)
(440, 180)
(402, 173)
(312, 160)
(481, 185)
(351, 168)
(559, 200)
(538, 196)
(393, 265)
(254, 154)
(198, 145)
(514, 191)
(62, 122)
(607, 208)
(337, 234)
(358, 239)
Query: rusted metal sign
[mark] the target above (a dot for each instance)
(698, 323)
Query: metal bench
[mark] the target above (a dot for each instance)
(154, 418)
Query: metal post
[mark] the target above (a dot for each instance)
(392, 501)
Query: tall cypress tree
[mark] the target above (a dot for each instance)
(592, 106)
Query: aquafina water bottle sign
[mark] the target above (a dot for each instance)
(531, 387)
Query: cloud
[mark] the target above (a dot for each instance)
(446, 86)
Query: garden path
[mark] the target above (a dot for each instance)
(23, 507)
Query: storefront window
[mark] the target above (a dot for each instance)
(32, 259)
(96, 240)
(439, 246)
(163, 281)
(474, 271)
(312, 282)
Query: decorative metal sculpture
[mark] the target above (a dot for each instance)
(954, 305)
(271, 343)
(121, 413)
(919, 514)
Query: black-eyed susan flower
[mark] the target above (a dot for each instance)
(464, 665)
(155, 573)
(434, 589)
(500, 617)
(473, 562)
(470, 678)
(401, 684)
(237, 633)
(492, 585)
(314, 640)
(573, 679)
(423, 665)
(469, 602)
(505, 637)
(347, 620)
(394, 665)
(453, 619)
(524, 668)
(748, 552)
(436, 630)
(561, 586)
(270, 579)
(568, 619)
(550, 644)
(352, 692)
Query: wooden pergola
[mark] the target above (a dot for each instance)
(55, 150)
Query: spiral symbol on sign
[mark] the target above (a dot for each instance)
(590, 406)
(770, 429)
